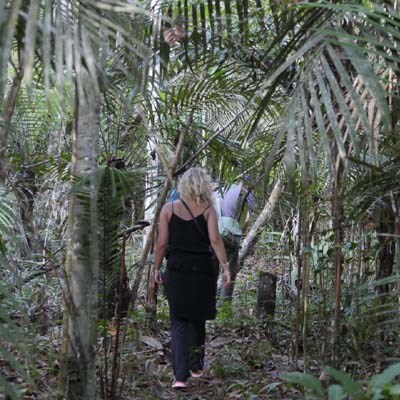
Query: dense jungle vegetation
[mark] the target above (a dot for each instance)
(105, 103)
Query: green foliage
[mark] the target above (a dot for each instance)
(283, 84)
(115, 188)
(227, 367)
(8, 216)
(226, 314)
(162, 310)
(11, 334)
(13, 348)
(256, 355)
(380, 387)
(47, 30)
(349, 386)
(335, 392)
(312, 386)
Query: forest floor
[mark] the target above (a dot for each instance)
(241, 363)
(245, 358)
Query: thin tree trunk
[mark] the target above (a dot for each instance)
(385, 230)
(338, 215)
(228, 18)
(120, 313)
(306, 241)
(395, 210)
(150, 237)
(299, 284)
(251, 237)
(78, 374)
(219, 25)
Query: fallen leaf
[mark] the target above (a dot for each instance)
(152, 342)
(219, 341)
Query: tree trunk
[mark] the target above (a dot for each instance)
(78, 374)
(251, 237)
(338, 215)
(266, 295)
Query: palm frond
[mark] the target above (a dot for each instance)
(374, 312)
(224, 105)
(116, 188)
(62, 37)
(374, 187)
(8, 215)
(346, 84)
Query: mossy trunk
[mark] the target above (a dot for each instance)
(78, 373)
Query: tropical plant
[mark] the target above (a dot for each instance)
(11, 333)
(380, 386)
(7, 216)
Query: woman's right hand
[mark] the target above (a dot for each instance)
(226, 278)
(157, 275)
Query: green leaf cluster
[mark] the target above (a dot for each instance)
(380, 386)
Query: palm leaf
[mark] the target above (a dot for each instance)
(338, 100)
(115, 188)
(64, 36)
(8, 214)
(351, 387)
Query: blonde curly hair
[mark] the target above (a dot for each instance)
(195, 184)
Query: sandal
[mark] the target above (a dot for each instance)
(179, 384)
(196, 374)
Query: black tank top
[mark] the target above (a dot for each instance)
(185, 236)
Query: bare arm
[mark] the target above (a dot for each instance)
(162, 240)
(217, 244)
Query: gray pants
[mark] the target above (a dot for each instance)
(233, 258)
(187, 345)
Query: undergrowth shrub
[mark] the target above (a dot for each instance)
(382, 386)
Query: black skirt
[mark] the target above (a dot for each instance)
(190, 285)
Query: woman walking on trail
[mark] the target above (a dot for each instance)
(187, 228)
